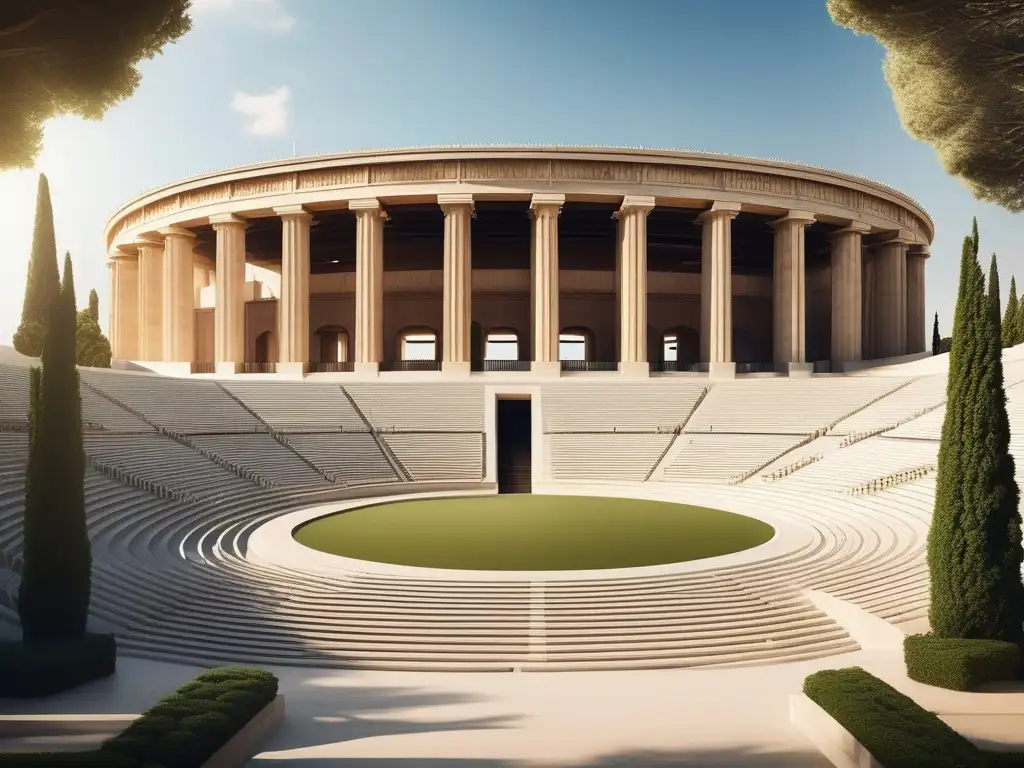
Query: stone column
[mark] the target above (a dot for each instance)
(545, 209)
(847, 301)
(889, 324)
(916, 322)
(151, 300)
(229, 311)
(370, 218)
(632, 286)
(124, 305)
(179, 295)
(458, 282)
(790, 289)
(868, 305)
(293, 306)
(716, 288)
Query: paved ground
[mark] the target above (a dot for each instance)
(710, 718)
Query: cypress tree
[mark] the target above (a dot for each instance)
(1018, 325)
(94, 306)
(42, 283)
(993, 297)
(1009, 326)
(974, 544)
(55, 588)
(936, 338)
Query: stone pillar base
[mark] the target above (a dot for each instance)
(797, 370)
(634, 370)
(174, 369)
(455, 369)
(722, 370)
(366, 370)
(292, 369)
(227, 369)
(547, 370)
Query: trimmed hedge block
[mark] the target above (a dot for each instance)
(960, 665)
(892, 727)
(42, 669)
(185, 729)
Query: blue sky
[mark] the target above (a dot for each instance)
(255, 77)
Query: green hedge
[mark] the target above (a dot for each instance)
(187, 727)
(95, 759)
(960, 665)
(182, 731)
(892, 727)
(42, 669)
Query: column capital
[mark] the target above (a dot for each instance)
(365, 204)
(456, 200)
(805, 218)
(545, 201)
(176, 232)
(896, 237)
(221, 219)
(147, 242)
(921, 250)
(292, 210)
(116, 253)
(643, 203)
(721, 208)
(853, 228)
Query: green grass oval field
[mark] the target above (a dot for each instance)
(532, 533)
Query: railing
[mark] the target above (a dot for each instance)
(411, 365)
(507, 365)
(675, 366)
(755, 367)
(335, 367)
(259, 367)
(204, 367)
(588, 365)
(891, 481)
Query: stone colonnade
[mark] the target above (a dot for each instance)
(877, 290)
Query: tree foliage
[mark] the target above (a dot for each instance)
(55, 587)
(92, 347)
(60, 57)
(956, 70)
(43, 282)
(1010, 317)
(936, 338)
(94, 306)
(974, 544)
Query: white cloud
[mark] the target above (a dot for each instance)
(267, 114)
(267, 15)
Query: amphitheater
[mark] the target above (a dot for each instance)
(186, 478)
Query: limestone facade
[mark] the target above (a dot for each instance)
(687, 263)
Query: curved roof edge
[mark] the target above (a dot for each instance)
(391, 152)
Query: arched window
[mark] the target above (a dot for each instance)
(418, 344)
(333, 344)
(574, 344)
(501, 344)
(680, 345)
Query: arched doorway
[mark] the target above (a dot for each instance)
(265, 350)
(575, 349)
(680, 348)
(333, 343)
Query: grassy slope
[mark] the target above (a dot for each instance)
(526, 532)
